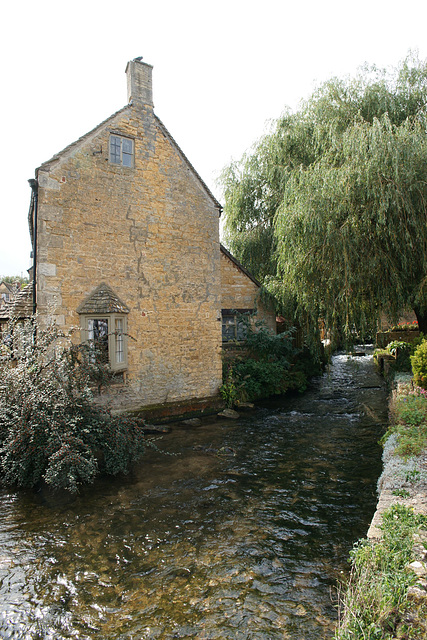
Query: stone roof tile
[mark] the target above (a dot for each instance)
(22, 305)
(102, 300)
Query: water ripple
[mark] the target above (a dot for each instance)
(202, 545)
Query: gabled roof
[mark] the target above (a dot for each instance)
(239, 266)
(83, 138)
(188, 163)
(8, 286)
(162, 127)
(22, 304)
(102, 300)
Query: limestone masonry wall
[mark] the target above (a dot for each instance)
(151, 233)
(238, 291)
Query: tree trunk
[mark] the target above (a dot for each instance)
(422, 320)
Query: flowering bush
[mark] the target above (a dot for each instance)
(50, 427)
(419, 391)
(405, 326)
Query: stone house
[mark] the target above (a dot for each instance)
(7, 292)
(19, 307)
(240, 296)
(126, 247)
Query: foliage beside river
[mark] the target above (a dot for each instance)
(266, 365)
(51, 430)
(380, 602)
(376, 604)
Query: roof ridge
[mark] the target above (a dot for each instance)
(187, 161)
(58, 155)
(239, 265)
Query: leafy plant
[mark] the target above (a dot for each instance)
(375, 601)
(412, 476)
(408, 415)
(401, 493)
(419, 365)
(269, 365)
(51, 427)
(228, 389)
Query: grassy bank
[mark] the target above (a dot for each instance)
(385, 597)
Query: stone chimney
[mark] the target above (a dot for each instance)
(140, 86)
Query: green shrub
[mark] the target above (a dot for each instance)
(259, 378)
(419, 365)
(50, 427)
(409, 421)
(402, 351)
(375, 604)
(269, 365)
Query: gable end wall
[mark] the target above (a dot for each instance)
(151, 233)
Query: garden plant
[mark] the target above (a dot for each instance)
(52, 430)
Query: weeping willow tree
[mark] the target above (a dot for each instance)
(329, 209)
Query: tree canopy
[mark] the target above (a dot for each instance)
(12, 279)
(329, 209)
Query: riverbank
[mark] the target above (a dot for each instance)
(228, 529)
(389, 569)
(403, 480)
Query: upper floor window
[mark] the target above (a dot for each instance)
(121, 151)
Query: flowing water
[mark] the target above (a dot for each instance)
(242, 533)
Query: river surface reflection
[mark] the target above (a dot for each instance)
(241, 534)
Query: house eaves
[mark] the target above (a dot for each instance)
(239, 266)
(188, 163)
(79, 141)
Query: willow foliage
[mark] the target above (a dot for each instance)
(329, 209)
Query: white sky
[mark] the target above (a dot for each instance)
(221, 70)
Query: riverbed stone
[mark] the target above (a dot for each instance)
(416, 594)
(246, 406)
(229, 413)
(419, 568)
(192, 422)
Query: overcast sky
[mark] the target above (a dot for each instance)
(222, 70)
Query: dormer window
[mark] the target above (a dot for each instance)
(121, 151)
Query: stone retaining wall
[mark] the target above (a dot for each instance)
(396, 477)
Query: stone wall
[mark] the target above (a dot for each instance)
(241, 291)
(403, 480)
(151, 233)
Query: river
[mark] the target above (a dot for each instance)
(241, 532)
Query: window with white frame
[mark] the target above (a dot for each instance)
(103, 319)
(106, 336)
(121, 150)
